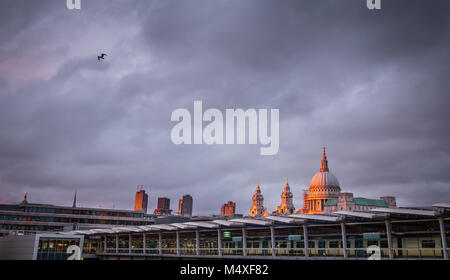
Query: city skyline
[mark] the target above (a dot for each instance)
(319, 186)
(371, 86)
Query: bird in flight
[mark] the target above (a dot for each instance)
(102, 56)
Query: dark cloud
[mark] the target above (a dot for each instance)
(372, 86)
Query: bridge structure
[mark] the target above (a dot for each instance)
(381, 233)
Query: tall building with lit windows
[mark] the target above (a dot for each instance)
(185, 206)
(141, 200)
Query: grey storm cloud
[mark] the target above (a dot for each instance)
(372, 86)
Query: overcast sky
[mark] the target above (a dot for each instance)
(371, 86)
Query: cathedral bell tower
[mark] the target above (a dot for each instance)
(257, 204)
(287, 206)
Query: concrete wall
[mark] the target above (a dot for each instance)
(17, 247)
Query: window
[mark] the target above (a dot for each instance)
(428, 244)
(334, 244)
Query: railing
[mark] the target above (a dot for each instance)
(232, 251)
(289, 252)
(259, 252)
(209, 251)
(188, 251)
(398, 253)
(434, 253)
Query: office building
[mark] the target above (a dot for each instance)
(228, 209)
(185, 206)
(30, 218)
(163, 206)
(141, 200)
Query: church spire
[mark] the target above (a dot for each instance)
(25, 198)
(324, 162)
(286, 187)
(74, 205)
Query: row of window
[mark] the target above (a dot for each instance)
(266, 243)
(405, 247)
(83, 212)
(68, 220)
(30, 228)
(25, 218)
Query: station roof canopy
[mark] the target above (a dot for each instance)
(79, 232)
(182, 225)
(442, 205)
(101, 230)
(127, 229)
(337, 216)
(326, 218)
(284, 219)
(147, 228)
(164, 227)
(366, 215)
(252, 221)
(202, 224)
(404, 211)
(67, 232)
(227, 223)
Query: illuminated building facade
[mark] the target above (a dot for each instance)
(286, 206)
(141, 200)
(324, 185)
(185, 206)
(324, 195)
(258, 204)
(346, 202)
(228, 209)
